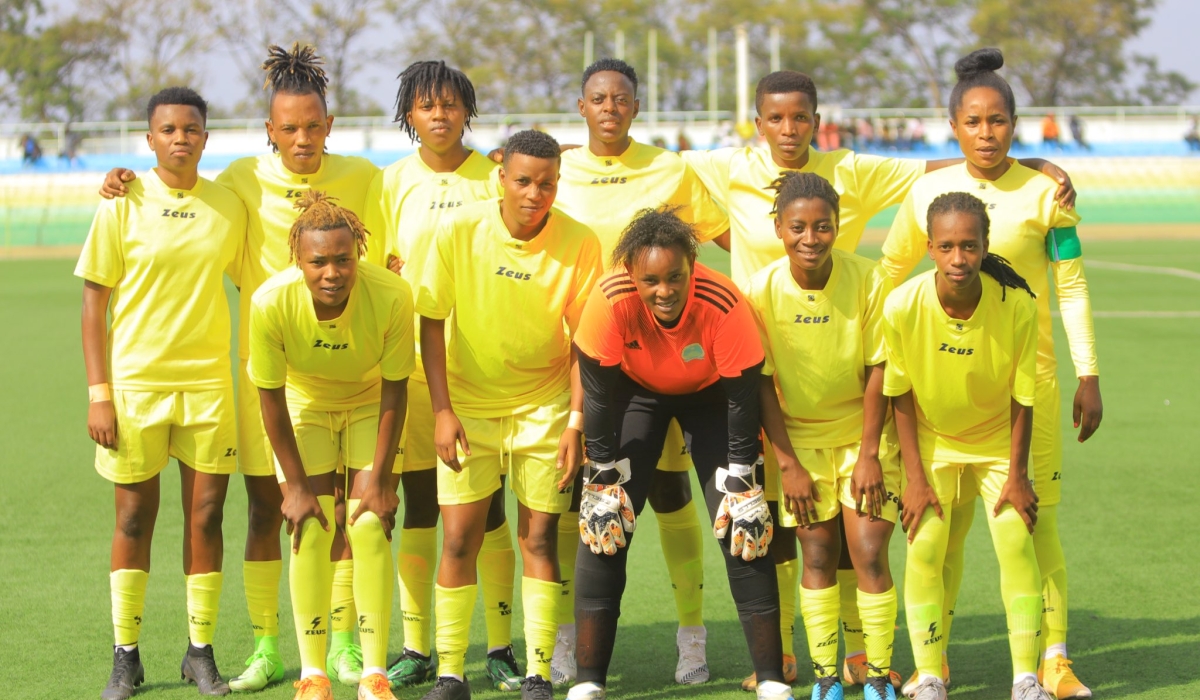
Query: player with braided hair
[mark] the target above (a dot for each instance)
(664, 337)
(297, 128)
(406, 201)
(1030, 228)
(965, 351)
(826, 418)
(331, 349)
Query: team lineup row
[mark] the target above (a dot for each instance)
(481, 338)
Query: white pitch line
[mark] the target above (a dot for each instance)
(1146, 269)
(1140, 314)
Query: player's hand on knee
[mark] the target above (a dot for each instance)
(605, 511)
(799, 492)
(102, 424)
(1018, 492)
(867, 486)
(300, 504)
(383, 502)
(448, 433)
(918, 496)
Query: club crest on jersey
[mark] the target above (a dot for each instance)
(946, 347)
(506, 272)
(692, 352)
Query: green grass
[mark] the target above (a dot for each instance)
(1129, 524)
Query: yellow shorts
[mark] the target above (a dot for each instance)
(956, 483)
(335, 440)
(524, 446)
(198, 428)
(417, 451)
(254, 448)
(1045, 448)
(831, 468)
(675, 455)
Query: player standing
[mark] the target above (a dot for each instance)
(159, 256)
(406, 201)
(269, 185)
(1033, 231)
(820, 312)
(331, 346)
(604, 185)
(666, 338)
(963, 347)
(508, 278)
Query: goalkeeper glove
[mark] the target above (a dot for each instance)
(743, 512)
(605, 513)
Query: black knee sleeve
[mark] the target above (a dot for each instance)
(599, 584)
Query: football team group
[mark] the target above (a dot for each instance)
(538, 317)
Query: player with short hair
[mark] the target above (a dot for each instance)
(269, 185)
(962, 346)
(331, 349)
(604, 184)
(819, 312)
(662, 338)
(1033, 231)
(159, 380)
(406, 201)
(508, 279)
(739, 179)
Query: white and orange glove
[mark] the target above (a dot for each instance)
(743, 513)
(605, 513)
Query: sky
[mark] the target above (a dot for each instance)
(1169, 37)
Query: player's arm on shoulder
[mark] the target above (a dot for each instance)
(114, 184)
(905, 244)
(1065, 195)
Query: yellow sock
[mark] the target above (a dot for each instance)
(454, 609)
(1020, 587)
(878, 612)
(372, 584)
(683, 550)
(820, 611)
(311, 577)
(852, 623)
(568, 547)
(952, 569)
(342, 613)
(128, 588)
(203, 600)
(261, 579)
(418, 557)
(924, 591)
(788, 575)
(1052, 564)
(540, 602)
(497, 568)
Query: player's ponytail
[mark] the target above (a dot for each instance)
(793, 185)
(655, 228)
(978, 69)
(320, 212)
(963, 203)
(295, 72)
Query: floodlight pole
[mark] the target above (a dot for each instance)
(743, 80)
(712, 71)
(653, 79)
(588, 45)
(775, 40)
(619, 48)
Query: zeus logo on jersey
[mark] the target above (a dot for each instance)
(318, 343)
(294, 194)
(505, 272)
(946, 347)
(444, 205)
(609, 180)
(801, 318)
(176, 214)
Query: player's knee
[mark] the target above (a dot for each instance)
(339, 513)
(133, 524)
(207, 517)
(265, 521)
(783, 543)
(754, 587)
(458, 545)
(366, 535)
(599, 579)
(540, 545)
(669, 491)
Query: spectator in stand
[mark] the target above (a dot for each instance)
(1076, 125)
(916, 133)
(1193, 135)
(1050, 132)
(31, 152)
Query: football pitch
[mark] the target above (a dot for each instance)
(1130, 522)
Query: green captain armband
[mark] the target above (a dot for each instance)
(1063, 244)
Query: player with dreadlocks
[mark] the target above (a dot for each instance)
(407, 200)
(1039, 236)
(297, 128)
(331, 349)
(963, 346)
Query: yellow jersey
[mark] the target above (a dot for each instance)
(739, 180)
(515, 306)
(605, 193)
(964, 374)
(333, 365)
(163, 252)
(1028, 228)
(269, 191)
(818, 344)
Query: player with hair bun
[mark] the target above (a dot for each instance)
(331, 349)
(663, 337)
(819, 312)
(1032, 229)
